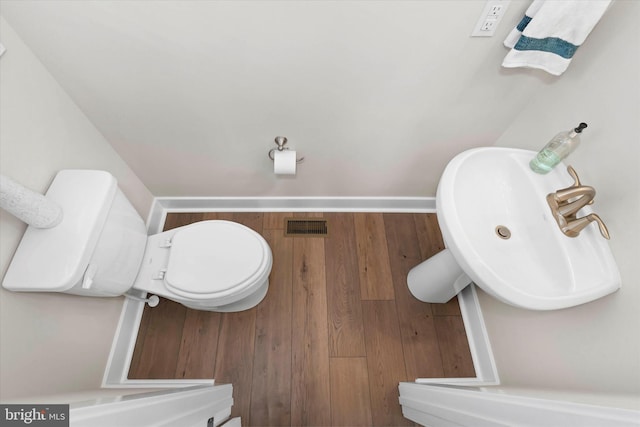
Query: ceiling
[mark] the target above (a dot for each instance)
(377, 96)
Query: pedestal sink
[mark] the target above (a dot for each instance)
(498, 229)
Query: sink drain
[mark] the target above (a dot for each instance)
(503, 232)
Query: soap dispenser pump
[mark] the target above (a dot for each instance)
(557, 149)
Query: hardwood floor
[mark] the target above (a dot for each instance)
(336, 333)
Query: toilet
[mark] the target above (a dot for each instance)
(101, 248)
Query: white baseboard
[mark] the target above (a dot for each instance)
(483, 362)
(162, 205)
(124, 342)
(126, 333)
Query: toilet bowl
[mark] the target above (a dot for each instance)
(208, 265)
(101, 248)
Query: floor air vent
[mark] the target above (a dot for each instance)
(296, 227)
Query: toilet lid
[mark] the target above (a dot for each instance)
(213, 257)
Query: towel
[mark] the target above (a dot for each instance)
(551, 32)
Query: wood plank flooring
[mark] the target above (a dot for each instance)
(336, 333)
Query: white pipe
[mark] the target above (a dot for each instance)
(27, 205)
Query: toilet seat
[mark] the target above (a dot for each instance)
(209, 265)
(213, 259)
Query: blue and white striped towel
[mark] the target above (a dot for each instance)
(551, 32)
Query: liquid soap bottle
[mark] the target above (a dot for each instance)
(557, 149)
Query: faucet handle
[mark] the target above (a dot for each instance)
(576, 179)
(603, 228)
(574, 175)
(573, 227)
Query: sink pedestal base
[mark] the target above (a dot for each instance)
(437, 279)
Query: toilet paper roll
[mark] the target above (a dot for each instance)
(284, 162)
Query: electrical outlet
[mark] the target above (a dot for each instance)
(496, 10)
(488, 25)
(490, 17)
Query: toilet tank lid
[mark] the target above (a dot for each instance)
(55, 259)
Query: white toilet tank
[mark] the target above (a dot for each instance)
(118, 254)
(96, 249)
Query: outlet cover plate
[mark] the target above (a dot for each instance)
(490, 17)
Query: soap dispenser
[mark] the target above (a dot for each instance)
(557, 149)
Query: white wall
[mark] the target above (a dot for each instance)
(593, 348)
(50, 343)
(377, 95)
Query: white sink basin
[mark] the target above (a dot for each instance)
(538, 267)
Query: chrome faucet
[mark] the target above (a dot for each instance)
(566, 203)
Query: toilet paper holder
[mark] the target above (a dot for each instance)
(281, 141)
